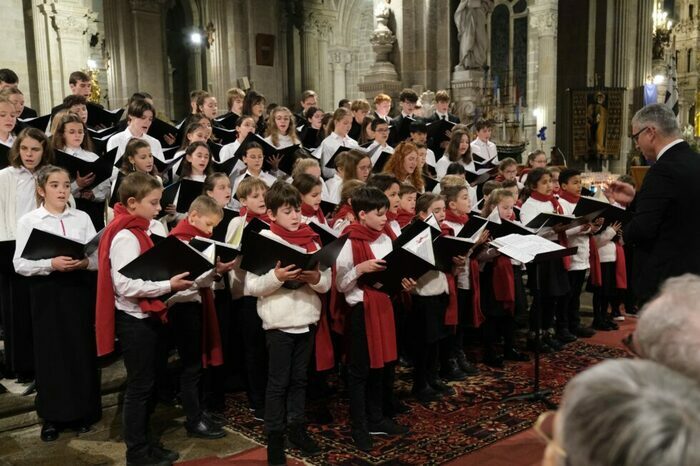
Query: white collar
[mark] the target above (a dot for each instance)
(667, 147)
(43, 213)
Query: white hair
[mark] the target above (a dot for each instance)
(659, 116)
(630, 413)
(668, 330)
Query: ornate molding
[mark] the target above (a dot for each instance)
(544, 21)
(340, 57)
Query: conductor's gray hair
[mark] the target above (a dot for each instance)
(659, 116)
(668, 330)
(630, 413)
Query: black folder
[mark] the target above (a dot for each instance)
(383, 158)
(286, 163)
(430, 183)
(225, 252)
(268, 149)
(473, 225)
(411, 230)
(101, 168)
(309, 137)
(327, 208)
(228, 120)
(163, 167)
(40, 122)
(326, 233)
(102, 132)
(186, 192)
(261, 254)
(4, 156)
(402, 131)
(475, 179)
(44, 245)
(219, 233)
(7, 253)
(331, 162)
(610, 213)
(224, 135)
(437, 130)
(214, 150)
(400, 264)
(552, 220)
(166, 259)
(99, 116)
(507, 228)
(254, 226)
(447, 247)
(159, 129)
(114, 198)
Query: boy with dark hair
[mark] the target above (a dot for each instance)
(482, 147)
(288, 316)
(8, 78)
(372, 344)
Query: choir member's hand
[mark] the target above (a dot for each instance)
(350, 217)
(275, 161)
(372, 265)
(84, 181)
(448, 134)
(171, 209)
(178, 282)
(312, 277)
(617, 226)
(87, 195)
(63, 263)
(560, 228)
(444, 144)
(169, 139)
(81, 265)
(459, 261)
(408, 284)
(483, 237)
(289, 272)
(223, 267)
(586, 227)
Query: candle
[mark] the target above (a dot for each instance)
(503, 126)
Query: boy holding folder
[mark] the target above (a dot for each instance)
(287, 316)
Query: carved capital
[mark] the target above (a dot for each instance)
(340, 57)
(544, 21)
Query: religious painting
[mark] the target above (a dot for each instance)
(596, 123)
(265, 50)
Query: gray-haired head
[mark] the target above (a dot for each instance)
(630, 413)
(668, 330)
(660, 117)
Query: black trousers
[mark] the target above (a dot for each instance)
(427, 329)
(139, 340)
(289, 355)
(215, 378)
(495, 326)
(186, 321)
(573, 309)
(255, 351)
(365, 386)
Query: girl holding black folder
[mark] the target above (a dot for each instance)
(29, 152)
(548, 280)
(62, 306)
(70, 138)
(338, 136)
(196, 165)
(244, 126)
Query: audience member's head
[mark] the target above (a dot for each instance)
(627, 413)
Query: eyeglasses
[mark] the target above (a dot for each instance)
(544, 429)
(636, 135)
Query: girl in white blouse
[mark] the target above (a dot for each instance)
(62, 307)
(70, 138)
(337, 136)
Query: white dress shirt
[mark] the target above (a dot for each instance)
(102, 190)
(485, 149)
(334, 187)
(347, 274)
(328, 147)
(72, 223)
(120, 140)
(26, 191)
(667, 147)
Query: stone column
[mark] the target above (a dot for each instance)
(218, 76)
(339, 60)
(41, 19)
(147, 22)
(645, 27)
(543, 21)
(325, 90)
(621, 47)
(309, 58)
(382, 76)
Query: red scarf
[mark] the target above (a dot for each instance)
(379, 313)
(563, 240)
(620, 267)
(452, 314)
(594, 262)
(212, 354)
(504, 283)
(251, 215)
(308, 211)
(390, 217)
(524, 172)
(341, 213)
(473, 264)
(104, 308)
(569, 197)
(304, 237)
(404, 217)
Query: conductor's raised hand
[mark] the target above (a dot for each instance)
(178, 282)
(290, 272)
(372, 265)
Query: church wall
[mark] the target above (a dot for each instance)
(14, 48)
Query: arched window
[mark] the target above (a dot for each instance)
(508, 59)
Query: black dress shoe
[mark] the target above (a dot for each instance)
(552, 342)
(203, 429)
(426, 394)
(583, 332)
(514, 355)
(147, 459)
(464, 365)
(564, 336)
(441, 387)
(300, 438)
(275, 449)
(159, 451)
(49, 432)
(214, 418)
(83, 428)
(451, 371)
(362, 439)
(493, 360)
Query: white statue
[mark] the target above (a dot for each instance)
(470, 18)
(382, 12)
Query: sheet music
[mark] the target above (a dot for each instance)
(422, 246)
(524, 248)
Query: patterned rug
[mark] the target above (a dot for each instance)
(441, 431)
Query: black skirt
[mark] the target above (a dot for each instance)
(67, 378)
(427, 318)
(490, 306)
(17, 323)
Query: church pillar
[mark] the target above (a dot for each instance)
(41, 21)
(147, 20)
(325, 89)
(215, 36)
(644, 24)
(543, 21)
(340, 59)
(309, 58)
(621, 48)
